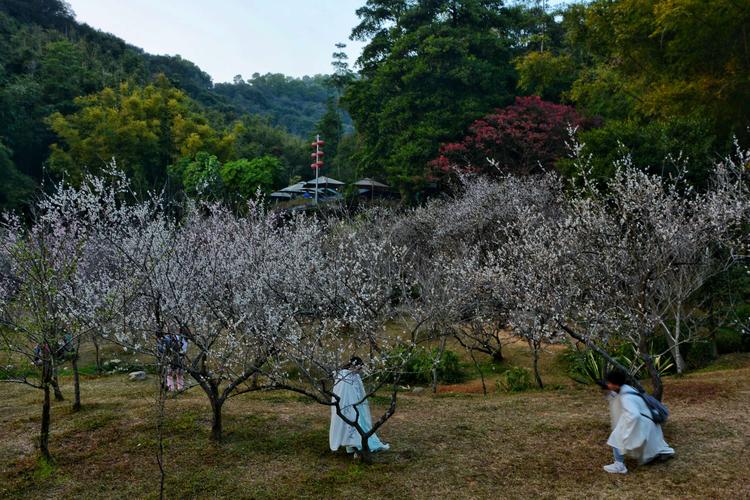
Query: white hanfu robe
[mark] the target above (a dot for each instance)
(633, 432)
(349, 388)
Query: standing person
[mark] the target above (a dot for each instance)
(175, 357)
(350, 390)
(164, 348)
(634, 433)
(172, 349)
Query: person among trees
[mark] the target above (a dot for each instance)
(634, 433)
(172, 348)
(350, 392)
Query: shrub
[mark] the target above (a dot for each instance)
(698, 354)
(587, 367)
(728, 341)
(420, 364)
(517, 379)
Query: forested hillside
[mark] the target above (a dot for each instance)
(441, 86)
(72, 97)
(663, 81)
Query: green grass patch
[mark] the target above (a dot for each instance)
(44, 469)
(88, 422)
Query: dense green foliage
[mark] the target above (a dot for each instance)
(668, 77)
(72, 97)
(203, 175)
(430, 68)
(663, 80)
(144, 128)
(421, 363)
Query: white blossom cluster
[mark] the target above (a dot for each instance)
(266, 300)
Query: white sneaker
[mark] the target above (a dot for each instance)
(616, 468)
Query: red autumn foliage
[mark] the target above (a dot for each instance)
(524, 138)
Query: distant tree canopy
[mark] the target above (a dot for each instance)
(204, 176)
(428, 70)
(15, 187)
(665, 58)
(295, 104)
(145, 129)
(665, 79)
(49, 13)
(52, 68)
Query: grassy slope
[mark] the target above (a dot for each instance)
(541, 443)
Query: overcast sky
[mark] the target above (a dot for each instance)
(230, 37)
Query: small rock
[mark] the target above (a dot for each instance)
(417, 389)
(137, 376)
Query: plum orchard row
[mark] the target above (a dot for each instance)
(271, 302)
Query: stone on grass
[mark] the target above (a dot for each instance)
(137, 375)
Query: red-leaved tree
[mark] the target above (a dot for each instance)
(524, 138)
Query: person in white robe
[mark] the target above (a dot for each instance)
(350, 390)
(634, 433)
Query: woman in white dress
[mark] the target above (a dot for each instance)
(350, 392)
(634, 433)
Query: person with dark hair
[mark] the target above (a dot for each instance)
(634, 432)
(350, 393)
(172, 349)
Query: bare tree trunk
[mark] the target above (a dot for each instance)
(76, 381)
(674, 350)
(365, 451)
(98, 355)
(435, 364)
(44, 431)
(497, 355)
(481, 375)
(535, 352)
(56, 387)
(216, 427)
(673, 339)
(653, 372)
(160, 435)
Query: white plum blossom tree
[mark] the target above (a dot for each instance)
(46, 270)
(646, 245)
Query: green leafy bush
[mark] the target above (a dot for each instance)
(587, 367)
(728, 341)
(517, 379)
(698, 354)
(419, 367)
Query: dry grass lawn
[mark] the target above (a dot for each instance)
(456, 444)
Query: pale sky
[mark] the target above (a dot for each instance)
(229, 37)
